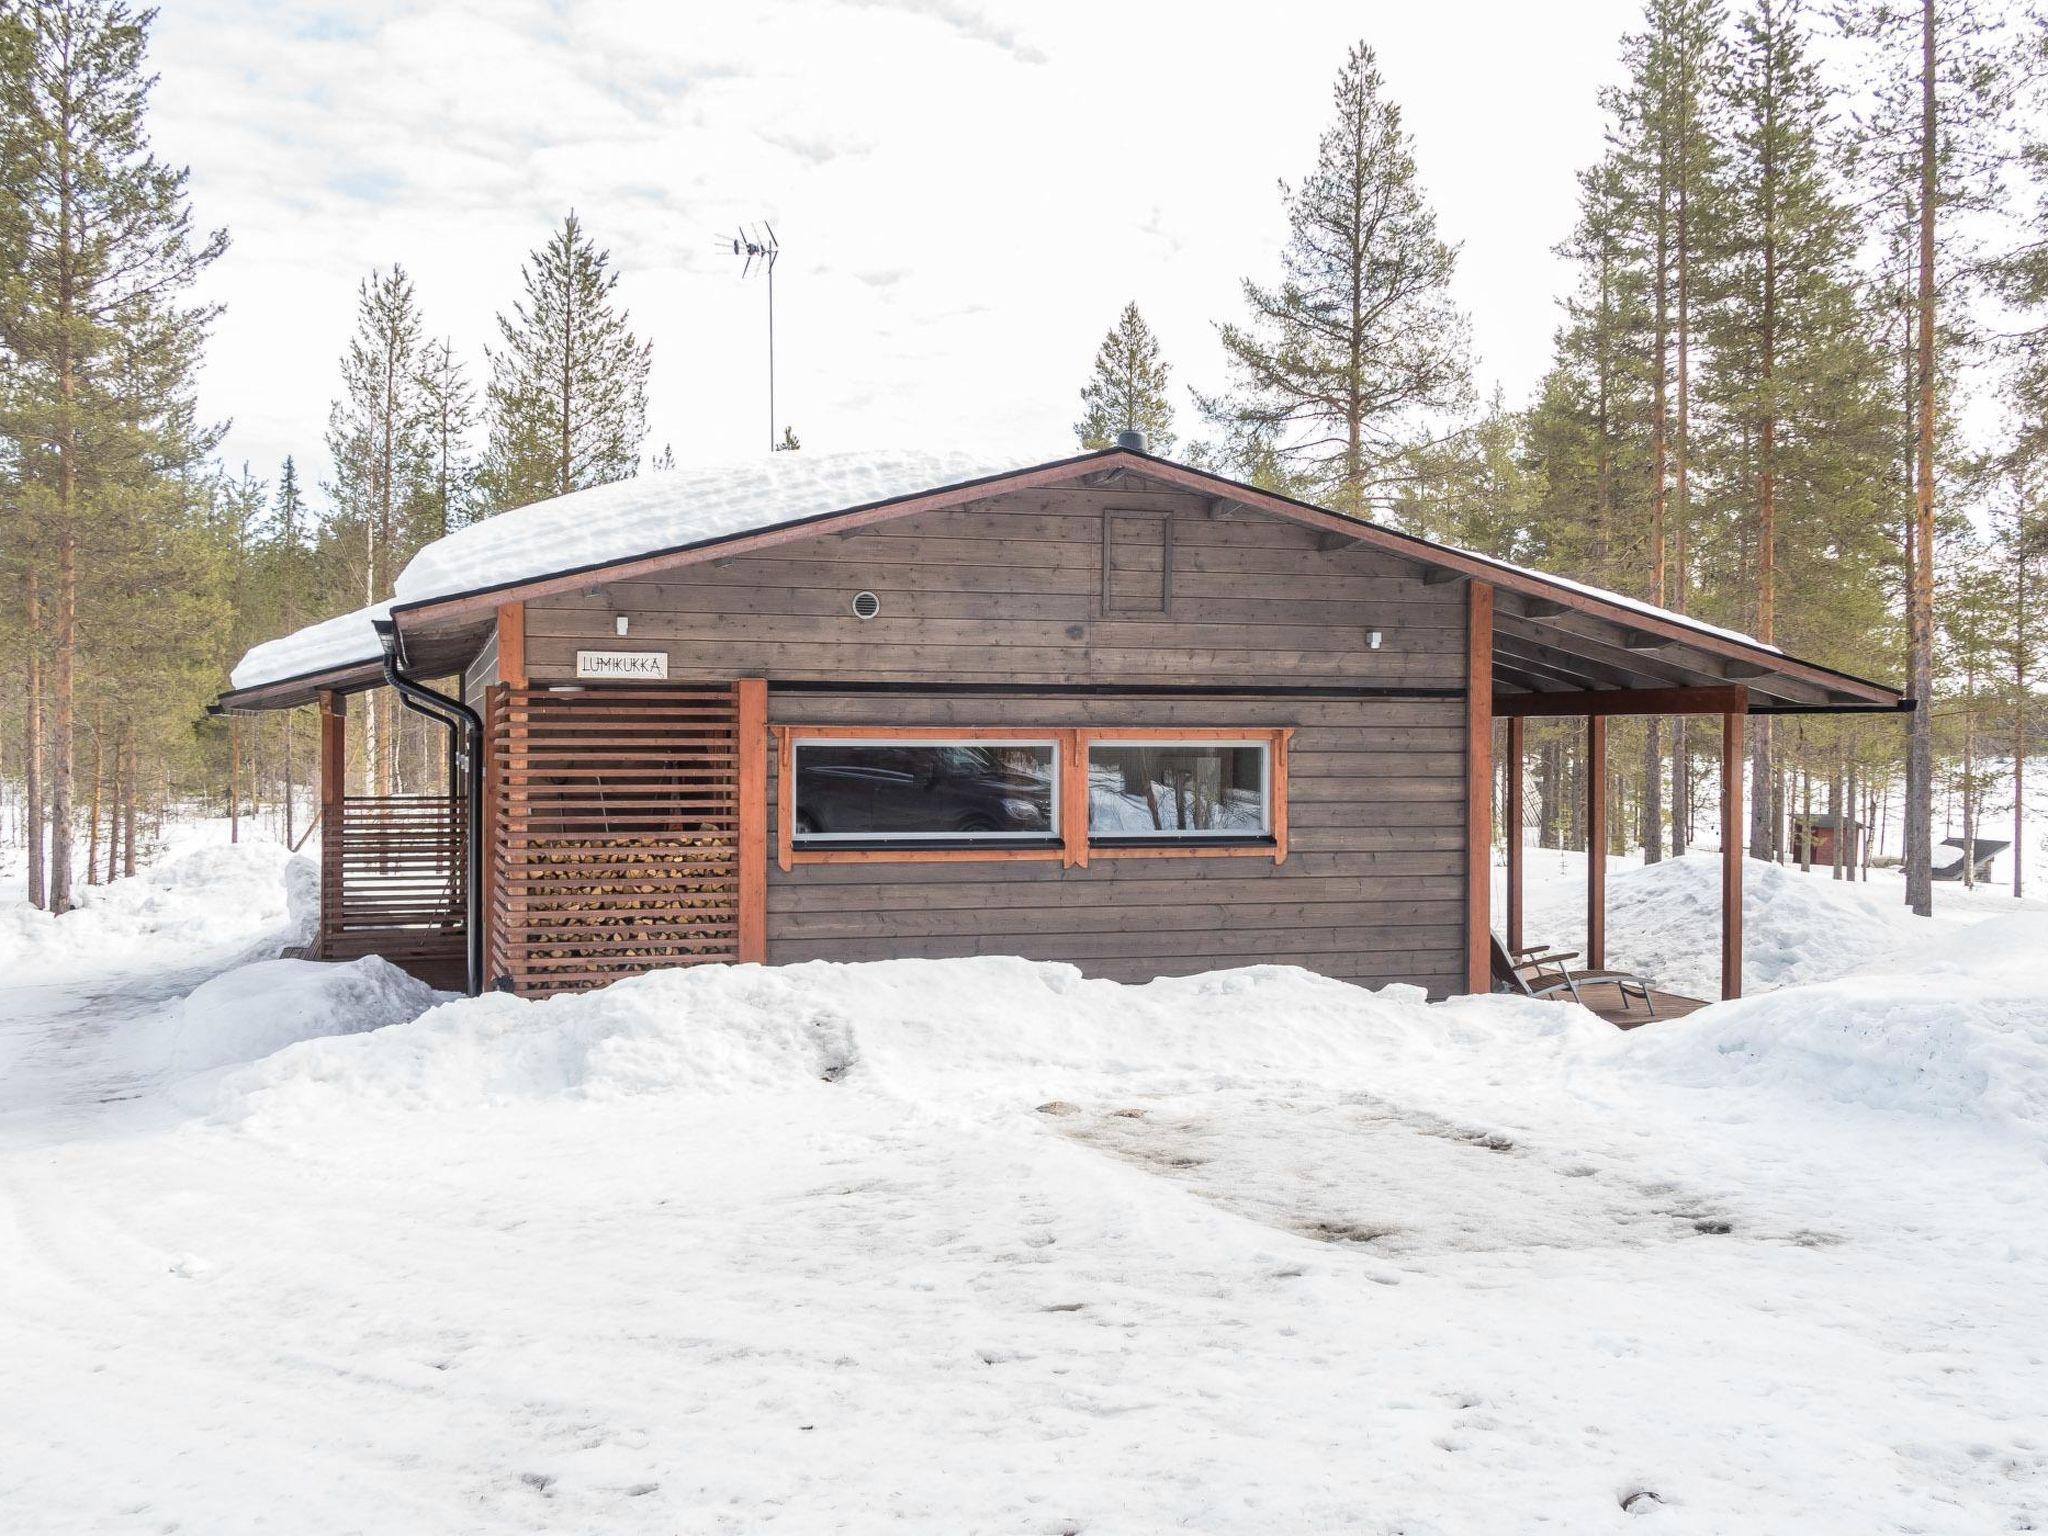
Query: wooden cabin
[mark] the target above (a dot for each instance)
(1815, 839)
(1109, 709)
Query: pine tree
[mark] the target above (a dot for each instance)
(1668, 160)
(100, 343)
(1929, 153)
(1126, 391)
(377, 436)
(567, 400)
(1798, 388)
(1340, 369)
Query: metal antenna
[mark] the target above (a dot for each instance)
(760, 251)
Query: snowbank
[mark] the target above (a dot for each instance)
(1956, 1029)
(1016, 1030)
(251, 1011)
(1664, 920)
(201, 897)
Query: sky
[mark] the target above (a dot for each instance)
(966, 194)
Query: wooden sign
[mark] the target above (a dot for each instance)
(632, 666)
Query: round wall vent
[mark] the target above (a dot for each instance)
(866, 605)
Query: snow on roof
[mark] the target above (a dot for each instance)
(344, 641)
(1683, 620)
(677, 507)
(674, 508)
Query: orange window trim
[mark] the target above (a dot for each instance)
(1075, 848)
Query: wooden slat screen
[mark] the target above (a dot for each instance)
(392, 879)
(615, 832)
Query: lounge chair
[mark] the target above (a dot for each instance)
(1543, 973)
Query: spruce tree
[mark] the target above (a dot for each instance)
(1342, 369)
(1127, 389)
(100, 341)
(448, 413)
(567, 402)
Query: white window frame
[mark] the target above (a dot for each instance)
(815, 840)
(1108, 841)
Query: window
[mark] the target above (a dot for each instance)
(1151, 790)
(969, 791)
(853, 793)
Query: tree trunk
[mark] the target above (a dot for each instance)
(1919, 836)
(119, 799)
(92, 820)
(234, 780)
(128, 816)
(290, 840)
(32, 756)
(1652, 808)
(62, 747)
(2020, 698)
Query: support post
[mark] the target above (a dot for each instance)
(1479, 787)
(333, 769)
(1514, 832)
(1731, 854)
(512, 644)
(1596, 842)
(750, 697)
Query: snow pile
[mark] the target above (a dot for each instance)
(202, 896)
(254, 1010)
(1017, 1031)
(1664, 920)
(1956, 1029)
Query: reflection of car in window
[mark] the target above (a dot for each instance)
(923, 790)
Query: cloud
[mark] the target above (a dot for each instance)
(815, 148)
(969, 23)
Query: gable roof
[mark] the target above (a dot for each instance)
(664, 521)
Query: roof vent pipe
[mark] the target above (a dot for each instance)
(1132, 439)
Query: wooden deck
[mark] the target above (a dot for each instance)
(1605, 999)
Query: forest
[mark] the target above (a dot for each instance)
(1799, 388)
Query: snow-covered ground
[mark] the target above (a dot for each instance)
(1664, 920)
(984, 1246)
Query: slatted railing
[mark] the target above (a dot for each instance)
(392, 879)
(614, 833)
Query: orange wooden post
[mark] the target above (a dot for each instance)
(1514, 832)
(512, 644)
(1596, 842)
(1479, 787)
(1731, 854)
(750, 699)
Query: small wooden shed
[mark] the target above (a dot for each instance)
(1109, 709)
(1815, 838)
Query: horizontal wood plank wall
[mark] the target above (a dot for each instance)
(1012, 591)
(1372, 891)
(617, 832)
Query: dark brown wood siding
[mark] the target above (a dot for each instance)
(1013, 592)
(1371, 890)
